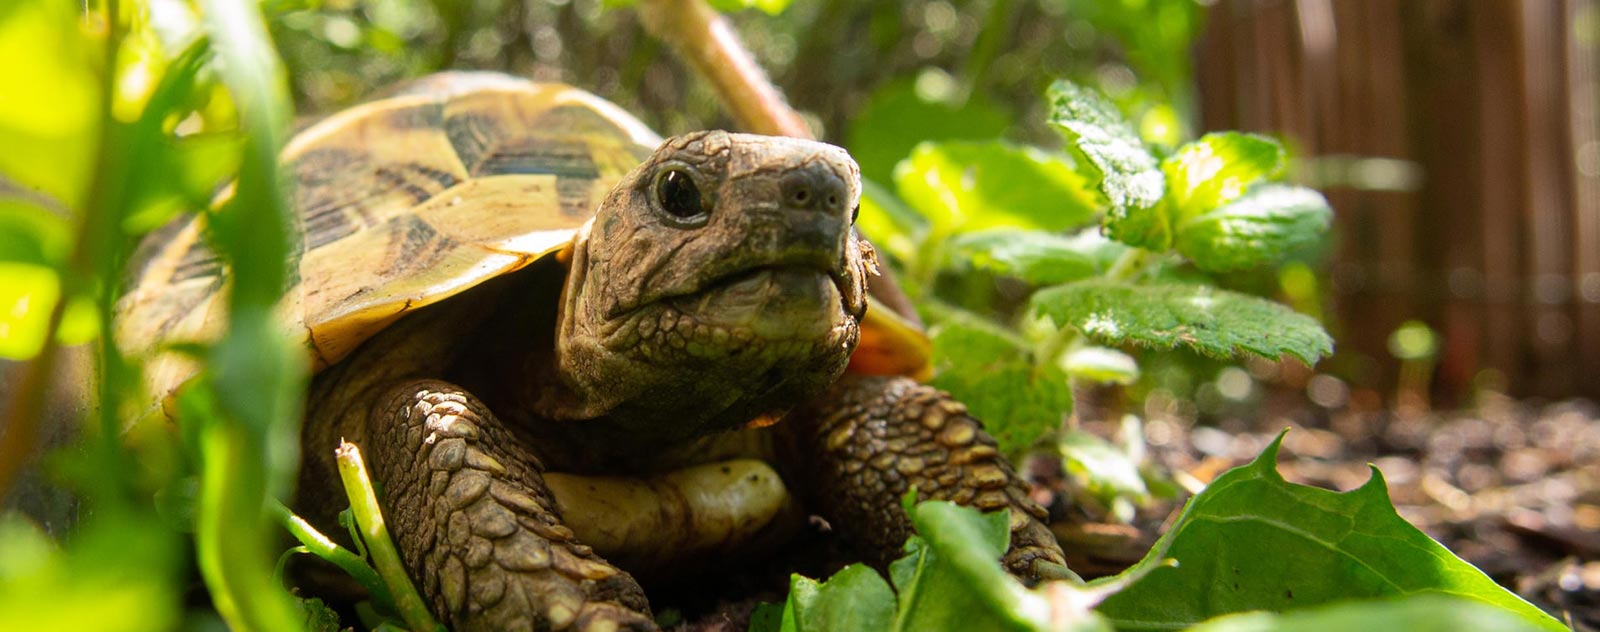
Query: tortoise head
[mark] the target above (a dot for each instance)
(719, 281)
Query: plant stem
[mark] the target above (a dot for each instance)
(704, 39)
(369, 516)
(324, 547)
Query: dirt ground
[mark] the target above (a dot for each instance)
(1511, 486)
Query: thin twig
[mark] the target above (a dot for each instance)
(704, 39)
(324, 547)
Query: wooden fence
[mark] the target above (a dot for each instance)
(1485, 223)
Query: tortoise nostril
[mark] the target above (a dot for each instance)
(814, 187)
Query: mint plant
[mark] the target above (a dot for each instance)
(1114, 245)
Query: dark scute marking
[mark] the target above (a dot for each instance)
(557, 157)
(324, 195)
(418, 246)
(474, 136)
(420, 182)
(198, 261)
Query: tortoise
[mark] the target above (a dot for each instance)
(498, 279)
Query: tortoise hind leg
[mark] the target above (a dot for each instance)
(476, 525)
(870, 439)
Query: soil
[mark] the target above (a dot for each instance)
(1511, 486)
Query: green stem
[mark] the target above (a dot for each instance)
(324, 547)
(369, 516)
(231, 547)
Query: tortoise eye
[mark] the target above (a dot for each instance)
(678, 195)
(854, 213)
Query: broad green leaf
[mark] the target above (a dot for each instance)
(989, 370)
(897, 117)
(1037, 257)
(1253, 541)
(1217, 169)
(1267, 223)
(50, 106)
(855, 598)
(951, 578)
(191, 169)
(1422, 613)
(1129, 176)
(1213, 322)
(1101, 364)
(961, 186)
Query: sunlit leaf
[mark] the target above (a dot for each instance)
(1038, 257)
(1214, 322)
(1422, 613)
(1128, 175)
(1218, 168)
(990, 371)
(49, 109)
(1259, 228)
(1253, 541)
(960, 186)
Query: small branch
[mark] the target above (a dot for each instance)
(704, 39)
(369, 517)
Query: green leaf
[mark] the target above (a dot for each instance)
(1422, 613)
(1213, 322)
(891, 226)
(855, 598)
(50, 118)
(1128, 174)
(770, 7)
(1037, 257)
(1101, 364)
(1252, 541)
(951, 579)
(989, 370)
(1267, 223)
(898, 116)
(960, 186)
(1104, 469)
(1218, 168)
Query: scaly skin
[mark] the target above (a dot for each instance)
(871, 439)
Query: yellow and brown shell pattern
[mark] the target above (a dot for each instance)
(400, 203)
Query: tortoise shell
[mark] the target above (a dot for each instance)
(408, 200)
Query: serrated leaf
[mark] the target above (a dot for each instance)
(989, 370)
(1037, 257)
(1128, 174)
(963, 186)
(1213, 322)
(1423, 613)
(1253, 541)
(1217, 169)
(1261, 227)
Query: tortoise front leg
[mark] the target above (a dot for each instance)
(476, 525)
(871, 438)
